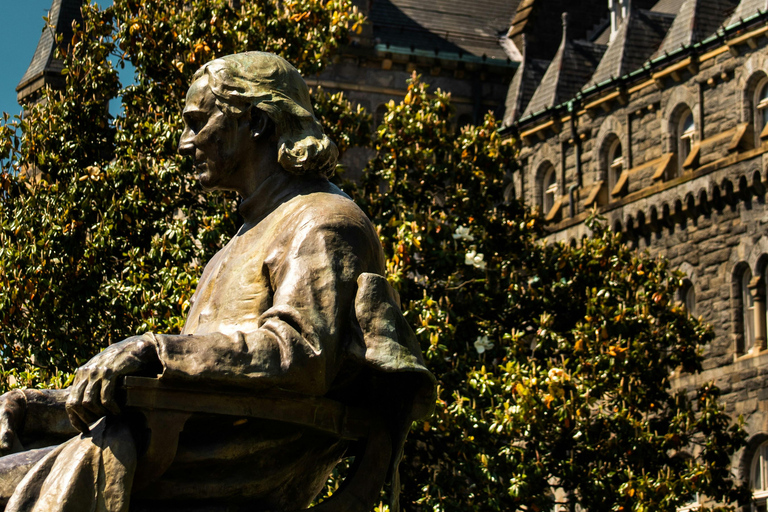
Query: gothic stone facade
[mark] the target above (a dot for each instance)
(675, 156)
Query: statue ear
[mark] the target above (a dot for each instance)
(261, 124)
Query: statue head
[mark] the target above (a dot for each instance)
(254, 87)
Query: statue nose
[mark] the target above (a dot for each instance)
(186, 145)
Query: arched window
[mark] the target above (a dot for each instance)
(686, 131)
(548, 188)
(687, 296)
(614, 161)
(760, 113)
(747, 311)
(758, 477)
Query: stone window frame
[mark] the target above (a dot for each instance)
(751, 256)
(685, 135)
(751, 74)
(547, 187)
(759, 107)
(749, 301)
(686, 294)
(745, 309)
(746, 463)
(546, 153)
(677, 102)
(758, 466)
(615, 163)
(611, 130)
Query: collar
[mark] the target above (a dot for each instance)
(277, 189)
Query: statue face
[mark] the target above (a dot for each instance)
(218, 143)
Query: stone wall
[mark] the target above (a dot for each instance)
(709, 218)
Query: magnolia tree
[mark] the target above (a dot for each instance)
(553, 362)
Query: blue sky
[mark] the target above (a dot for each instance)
(22, 25)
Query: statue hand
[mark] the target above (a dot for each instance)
(92, 394)
(13, 409)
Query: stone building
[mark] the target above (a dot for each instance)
(656, 114)
(45, 68)
(456, 46)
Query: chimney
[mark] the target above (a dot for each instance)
(619, 11)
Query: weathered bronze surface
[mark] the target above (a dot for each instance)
(294, 354)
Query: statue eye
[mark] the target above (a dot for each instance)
(195, 121)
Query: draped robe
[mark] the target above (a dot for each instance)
(294, 301)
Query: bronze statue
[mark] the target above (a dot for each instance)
(295, 304)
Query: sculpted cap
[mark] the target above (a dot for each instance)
(271, 84)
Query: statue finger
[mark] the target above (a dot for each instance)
(75, 409)
(91, 401)
(108, 396)
(77, 421)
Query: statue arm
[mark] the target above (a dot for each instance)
(38, 416)
(296, 346)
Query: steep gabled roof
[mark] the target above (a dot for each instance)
(635, 41)
(667, 6)
(747, 8)
(695, 21)
(569, 70)
(538, 21)
(454, 26)
(522, 87)
(45, 68)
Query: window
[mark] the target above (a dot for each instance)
(747, 311)
(686, 131)
(548, 188)
(761, 110)
(759, 478)
(615, 161)
(687, 296)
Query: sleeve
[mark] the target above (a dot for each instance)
(297, 343)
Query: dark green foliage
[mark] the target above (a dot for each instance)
(554, 362)
(103, 228)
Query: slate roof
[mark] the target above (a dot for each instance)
(454, 26)
(539, 21)
(747, 8)
(44, 63)
(636, 40)
(695, 21)
(667, 6)
(522, 88)
(573, 64)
